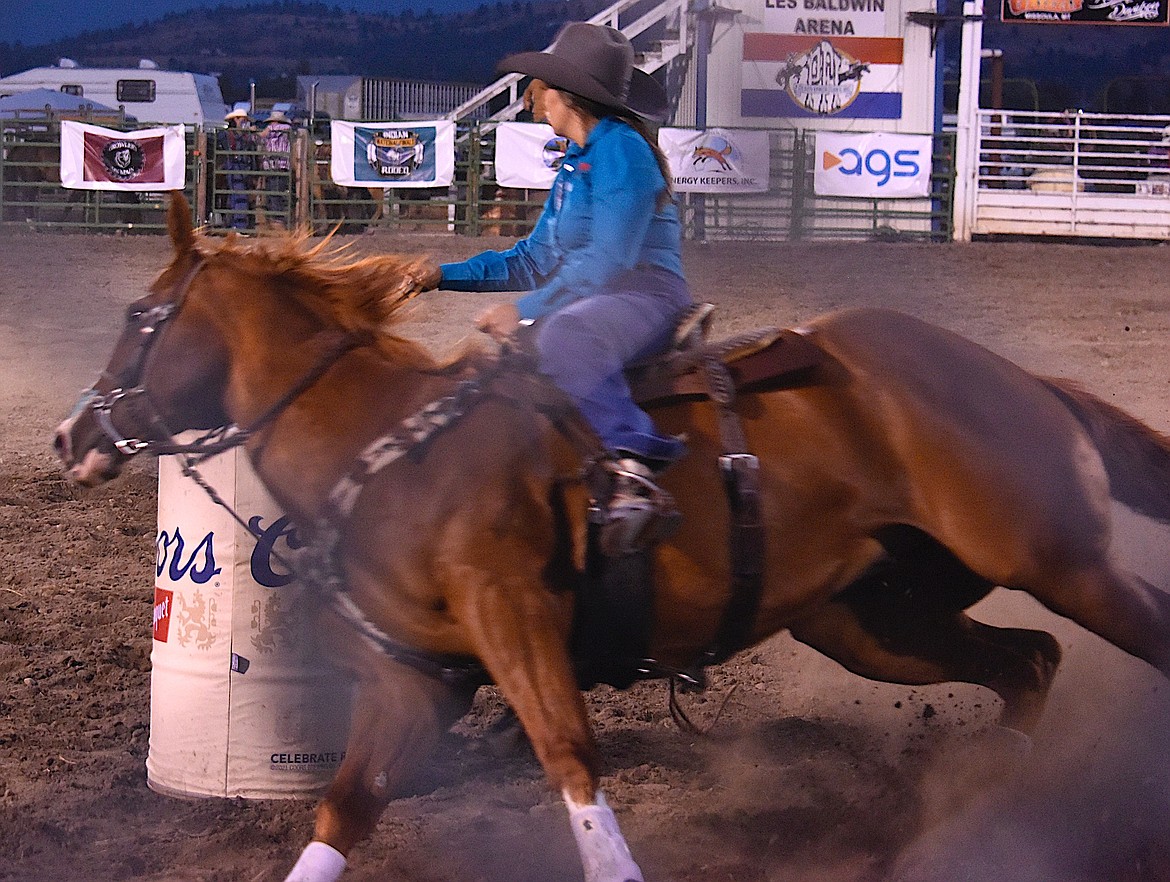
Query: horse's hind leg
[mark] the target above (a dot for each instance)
(399, 715)
(1123, 608)
(904, 623)
(901, 644)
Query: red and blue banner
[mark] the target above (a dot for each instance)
(812, 76)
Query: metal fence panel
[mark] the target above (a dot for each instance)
(31, 194)
(234, 184)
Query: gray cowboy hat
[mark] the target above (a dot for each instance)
(595, 62)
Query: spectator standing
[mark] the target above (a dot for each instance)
(237, 146)
(275, 142)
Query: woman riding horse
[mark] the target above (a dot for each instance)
(901, 480)
(603, 264)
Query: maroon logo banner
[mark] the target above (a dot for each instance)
(124, 160)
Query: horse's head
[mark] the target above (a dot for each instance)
(225, 324)
(166, 373)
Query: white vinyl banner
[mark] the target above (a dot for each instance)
(716, 160)
(877, 164)
(399, 154)
(528, 155)
(94, 158)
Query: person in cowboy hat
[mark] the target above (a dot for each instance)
(237, 143)
(603, 265)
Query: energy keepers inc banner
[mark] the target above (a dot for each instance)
(94, 158)
(401, 154)
(716, 160)
(881, 164)
(528, 155)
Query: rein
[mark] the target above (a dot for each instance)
(220, 438)
(317, 566)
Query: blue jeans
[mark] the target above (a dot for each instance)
(585, 347)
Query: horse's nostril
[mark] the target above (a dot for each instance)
(60, 444)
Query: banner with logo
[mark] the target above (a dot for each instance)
(528, 155)
(399, 154)
(805, 75)
(716, 160)
(881, 164)
(1127, 12)
(93, 158)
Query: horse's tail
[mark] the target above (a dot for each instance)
(1136, 457)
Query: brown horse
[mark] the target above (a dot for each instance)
(909, 452)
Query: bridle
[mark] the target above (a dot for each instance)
(159, 439)
(128, 384)
(318, 566)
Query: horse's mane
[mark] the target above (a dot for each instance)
(363, 295)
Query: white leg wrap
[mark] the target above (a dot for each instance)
(605, 856)
(318, 863)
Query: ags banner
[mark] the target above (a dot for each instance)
(93, 158)
(399, 154)
(882, 164)
(716, 160)
(528, 155)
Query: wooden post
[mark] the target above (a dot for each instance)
(201, 175)
(300, 170)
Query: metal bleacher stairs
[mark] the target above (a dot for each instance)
(658, 29)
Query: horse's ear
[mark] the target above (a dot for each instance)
(179, 223)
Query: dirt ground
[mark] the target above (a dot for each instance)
(809, 775)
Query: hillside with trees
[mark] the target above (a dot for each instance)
(1057, 67)
(274, 44)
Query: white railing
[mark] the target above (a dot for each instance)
(676, 40)
(1074, 173)
(1047, 152)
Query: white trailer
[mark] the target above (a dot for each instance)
(147, 93)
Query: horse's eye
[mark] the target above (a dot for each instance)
(134, 312)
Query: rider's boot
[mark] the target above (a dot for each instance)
(639, 513)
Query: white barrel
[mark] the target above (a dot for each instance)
(242, 702)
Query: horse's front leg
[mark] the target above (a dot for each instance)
(513, 622)
(399, 715)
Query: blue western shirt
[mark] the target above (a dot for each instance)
(601, 219)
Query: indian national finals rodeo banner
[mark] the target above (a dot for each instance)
(399, 154)
(94, 158)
